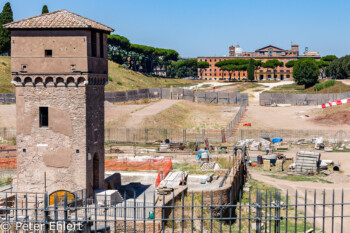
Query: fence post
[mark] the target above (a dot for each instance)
(127, 135)
(258, 211)
(184, 136)
(46, 213)
(146, 135)
(165, 133)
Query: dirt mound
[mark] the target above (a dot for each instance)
(341, 117)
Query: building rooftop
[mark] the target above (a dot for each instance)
(57, 20)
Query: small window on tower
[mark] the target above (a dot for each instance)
(24, 68)
(73, 67)
(43, 116)
(48, 53)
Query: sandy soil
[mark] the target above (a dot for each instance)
(294, 117)
(137, 117)
(8, 115)
(310, 187)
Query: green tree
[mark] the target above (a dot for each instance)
(5, 36)
(230, 69)
(235, 64)
(202, 65)
(45, 10)
(118, 47)
(329, 58)
(290, 64)
(251, 70)
(273, 64)
(306, 72)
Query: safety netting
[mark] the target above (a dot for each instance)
(130, 164)
(162, 174)
(8, 163)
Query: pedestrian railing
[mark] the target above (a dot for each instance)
(254, 211)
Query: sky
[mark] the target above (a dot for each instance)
(208, 27)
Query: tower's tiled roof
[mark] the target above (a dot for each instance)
(57, 20)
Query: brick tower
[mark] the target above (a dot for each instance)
(59, 67)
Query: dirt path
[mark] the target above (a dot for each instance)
(140, 114)
(8, 116)
(254, 96)
(309, 188)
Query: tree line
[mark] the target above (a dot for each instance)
(306, 71)
(139, 57)
(6, 16)
(339, 68)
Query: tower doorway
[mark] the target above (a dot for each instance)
(96, 171)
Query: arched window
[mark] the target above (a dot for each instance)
(28, 81)
(70, 81)
(49, 81)
(60, 81)
(38, 80)
(81, 81)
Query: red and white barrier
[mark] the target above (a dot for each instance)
(334, 103)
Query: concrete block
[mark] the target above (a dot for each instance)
(267, 165)
(111, 197)
(279, 165)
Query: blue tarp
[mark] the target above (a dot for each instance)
(277, 139)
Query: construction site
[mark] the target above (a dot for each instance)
(220, 158)
(218, 152)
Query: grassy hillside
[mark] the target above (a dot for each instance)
(120, 79)
(299, 89)
(5, 75)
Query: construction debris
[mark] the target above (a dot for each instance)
(307, 162)
(255, 146)
(265, 144)
(173, 179)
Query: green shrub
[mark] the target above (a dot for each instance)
(119, 83)
(318, 86)
(110, 78)
(3, 63)
(329, 83)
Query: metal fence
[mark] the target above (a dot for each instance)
(256, 211)
(161, 93)
(233, 125)
(337, 136)
(178, 93)
(300, 99)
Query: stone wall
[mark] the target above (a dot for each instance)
(95, 138)
(229, 192)
(58, 150)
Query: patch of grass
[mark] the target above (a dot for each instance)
(191, 168)
(332, 87)
(5, 91)
(223, 162)
(5, 180)
(300, 178)
(5, 75)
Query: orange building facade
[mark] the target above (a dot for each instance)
(264, 54)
